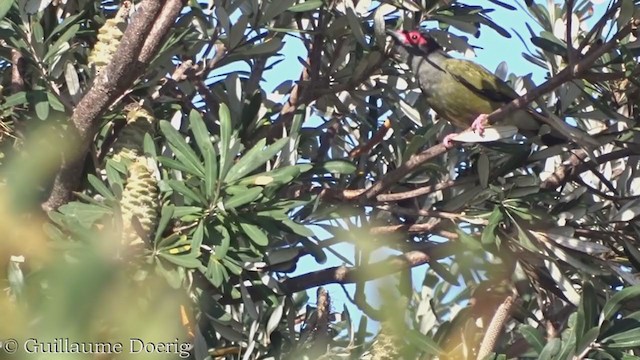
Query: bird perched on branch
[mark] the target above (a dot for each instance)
(460, 91)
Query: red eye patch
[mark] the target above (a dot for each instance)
(415, 38)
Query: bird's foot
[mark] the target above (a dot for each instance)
(447, 140)
(478, 124)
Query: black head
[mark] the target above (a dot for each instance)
(412, 42)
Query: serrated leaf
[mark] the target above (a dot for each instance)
(242, 198)
(181, 149)
(254, 158)
(189, 193)
(201, 135)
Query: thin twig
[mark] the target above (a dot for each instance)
(567, 74)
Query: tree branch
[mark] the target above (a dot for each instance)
(127, 65)
(567, 74)
(349, 275)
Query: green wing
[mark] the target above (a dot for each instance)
(479, 80)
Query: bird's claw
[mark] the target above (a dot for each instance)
(447, 141)
(478, 124)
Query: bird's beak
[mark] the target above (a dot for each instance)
(395, 35)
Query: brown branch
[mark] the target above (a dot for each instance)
(576, 165)
(118, 76)
(409, 229)
(567, 74)
(495, 327)
(163, 23)
(17, 71)
(422, 212)
(375, 140)
(349, 275)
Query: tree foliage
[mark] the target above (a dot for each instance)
(156, 186)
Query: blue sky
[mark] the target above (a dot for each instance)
(494, 49)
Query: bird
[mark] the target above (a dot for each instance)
(459, 91)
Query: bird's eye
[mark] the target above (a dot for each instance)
(414, 37)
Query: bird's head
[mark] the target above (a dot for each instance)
(411, 42)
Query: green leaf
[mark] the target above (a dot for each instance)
(53, 49)
(550, 350)
(627, 9)
(197, 238)
(5, 6)
(257, 156)
(423, 342)
(587, 339)
(254, 233)
(306, 6)
(201, 135)
(183, 189)
(86, 214)
(587, 315)
(41, 103)
(489, 233)
(356, 27)
(533, 337)
(100, 187)
(283, 175)
(483, 170)
(191, 211)
(549, 42)
(226, 128)
(444, 273)
(624, 339)
(242, 198)
(187, 261)
(180, 148)
(55, 103)
(177, 165)
(276, 8)
(268, 47)
(14, 100)
(166, 215)
(297, 228)
(215, 272)
(220, 252)
(468, 241)
(613, 305)
(340, 167)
